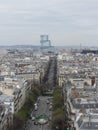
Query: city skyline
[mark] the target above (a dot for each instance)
(67, 22)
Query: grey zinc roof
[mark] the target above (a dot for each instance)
(6, 98)
(89, 121)
(90, 126)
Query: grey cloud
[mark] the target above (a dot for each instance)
(56, 17)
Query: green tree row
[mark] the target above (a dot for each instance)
(58, 113)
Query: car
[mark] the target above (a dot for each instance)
(47, 101)
(35, 123)
(30, 116)
(36, 108)
(38, 100)
(50, 118)
(50, 107)
(50, 103)
(33, 118)
(36, 104)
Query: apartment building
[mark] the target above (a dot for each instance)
(15, 89)
(6, 118)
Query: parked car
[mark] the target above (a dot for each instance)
(35, 123)
(50, 107)
(38, 100)
(48, 101)
(33, 118)
(36, 108)
(36, 104)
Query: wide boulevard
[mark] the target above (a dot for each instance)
(43, 108)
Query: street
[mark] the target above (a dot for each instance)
(43, 109)
(50, 78)
(52, 75)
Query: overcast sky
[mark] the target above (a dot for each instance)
(67, 22)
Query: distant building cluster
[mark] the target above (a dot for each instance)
(78, 77)
(19, 70)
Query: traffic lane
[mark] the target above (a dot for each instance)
(43, 108)
(47, 111)
(31, 125)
